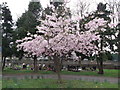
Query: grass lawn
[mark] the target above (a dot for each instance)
(0, 84)
(51, 83)
(107, 72)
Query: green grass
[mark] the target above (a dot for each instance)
(107, 72)
(51, 83)
(0, 84)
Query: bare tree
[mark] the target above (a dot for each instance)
(118, 10)
(114, 7)
(82, 7)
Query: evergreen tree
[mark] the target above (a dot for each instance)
(106, 36)
(117, 40)
(59, 7)
(0, 25)
(107, 40)
(6, 33)
(27, 23)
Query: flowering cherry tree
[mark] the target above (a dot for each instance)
(61, 35)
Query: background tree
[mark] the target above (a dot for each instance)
(106, 34)
(6, 33)
(114, 6)
(27, 23)
(118, 29)
(0, 25)
(107, 40)
(102, 13)
(81, 8)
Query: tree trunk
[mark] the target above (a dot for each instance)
(59, 77)
(3, 66)
(100, 64)
(35, 64)
(57, 68)
(119, 54)
(100, 67)
(80, 62)
(119, 46)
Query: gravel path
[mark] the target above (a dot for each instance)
(66, 77)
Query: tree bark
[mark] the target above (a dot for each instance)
(100, 67)
(100, 64)
(57, 68)
(119, 46)
(80, 62)
(3, 66)
(35, 64)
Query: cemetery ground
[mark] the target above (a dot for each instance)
(108, 72)
(52, 83)
(68, 82)
(0, 83)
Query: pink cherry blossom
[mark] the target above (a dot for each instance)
(60, 37)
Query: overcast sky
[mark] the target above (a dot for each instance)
(17, 7)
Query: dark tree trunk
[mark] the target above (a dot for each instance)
(3, 66)
(35, 64)
(80, 62)
(100, 67)
(100, 61)
(57, 68)
(119, 46)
